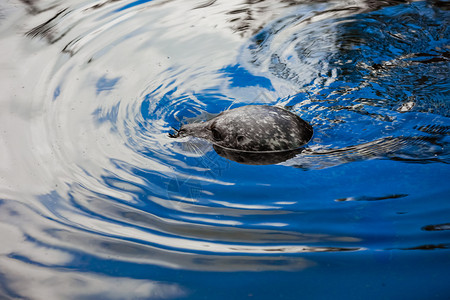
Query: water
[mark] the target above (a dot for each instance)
(97, 202)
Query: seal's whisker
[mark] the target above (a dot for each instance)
(196, 149)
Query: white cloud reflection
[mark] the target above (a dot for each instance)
(35, 282)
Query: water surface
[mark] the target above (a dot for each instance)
(97, 202)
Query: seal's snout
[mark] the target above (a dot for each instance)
(176, 132)
(194, 129)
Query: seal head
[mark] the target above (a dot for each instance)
(254, 128)
(253, 134)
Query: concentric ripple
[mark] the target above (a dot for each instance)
(91, 175)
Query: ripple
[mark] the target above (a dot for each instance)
(437, 227)
(369, 198)
(105, 133)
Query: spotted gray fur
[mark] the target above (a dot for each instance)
(255, 128)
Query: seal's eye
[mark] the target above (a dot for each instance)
(216, 134)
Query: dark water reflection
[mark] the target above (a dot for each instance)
(97, 202)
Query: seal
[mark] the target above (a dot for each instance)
(255, 131)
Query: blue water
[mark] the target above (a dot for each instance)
(97, 202)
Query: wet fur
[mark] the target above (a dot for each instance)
(253, 128)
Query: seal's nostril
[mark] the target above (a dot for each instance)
(177, 132)
(240, 138)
